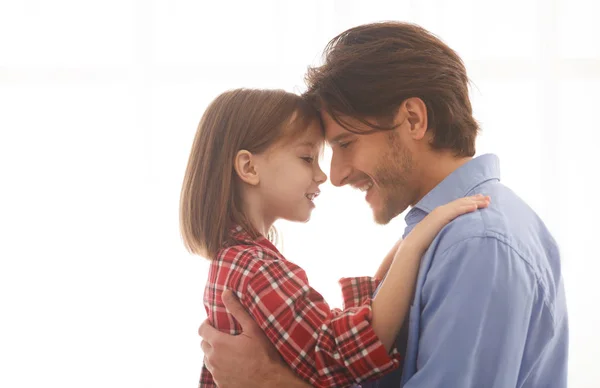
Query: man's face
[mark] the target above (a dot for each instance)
(379, 164)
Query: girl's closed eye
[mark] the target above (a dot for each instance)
(345, 145)
(308, 159)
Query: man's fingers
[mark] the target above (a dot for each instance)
(207, 332)
(235, 308)
(206, 348)
(208, 364)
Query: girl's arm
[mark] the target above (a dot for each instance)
(356, 289)
(387, 262)
(326, 347)
(391, 303)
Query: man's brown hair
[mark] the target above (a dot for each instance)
(369, 70)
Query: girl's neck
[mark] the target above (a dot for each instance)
(258, 217)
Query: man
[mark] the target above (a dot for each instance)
(489, 307)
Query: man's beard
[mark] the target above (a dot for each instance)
(392, 175)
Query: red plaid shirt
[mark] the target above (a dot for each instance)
(326, 347)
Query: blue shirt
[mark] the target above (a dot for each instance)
(489, 307)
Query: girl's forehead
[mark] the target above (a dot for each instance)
(304, 135)
(314, 132)
(301, 131)
(313, 138)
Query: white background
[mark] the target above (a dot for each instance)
(99, 103)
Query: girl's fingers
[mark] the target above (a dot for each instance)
(464, 205)
(470, 205)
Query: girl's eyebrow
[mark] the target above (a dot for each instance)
(307, 144)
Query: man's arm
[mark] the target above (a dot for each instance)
(248, 360)
(479, 300)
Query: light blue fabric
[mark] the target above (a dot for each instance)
(489, 308)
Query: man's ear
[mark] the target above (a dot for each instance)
(245, 167)
(414, 111)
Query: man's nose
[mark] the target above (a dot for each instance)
(339, 171)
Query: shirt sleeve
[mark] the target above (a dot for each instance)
(356, 289)
(478, 301)
(326, 347)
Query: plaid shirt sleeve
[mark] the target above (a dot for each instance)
(327, 347)
(356, 290)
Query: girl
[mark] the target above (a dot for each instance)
(253, 161)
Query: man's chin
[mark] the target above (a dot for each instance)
(385, 214)
(381, 217)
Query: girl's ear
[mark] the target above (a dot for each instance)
(246, 168)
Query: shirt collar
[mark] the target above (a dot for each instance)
(458, 184)
(240, 235)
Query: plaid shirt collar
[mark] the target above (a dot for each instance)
(240, 235)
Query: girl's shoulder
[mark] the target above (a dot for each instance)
(246, 254)
(254, 258)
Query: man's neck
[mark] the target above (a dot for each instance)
(436, 167)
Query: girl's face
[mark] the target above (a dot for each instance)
(290, 177)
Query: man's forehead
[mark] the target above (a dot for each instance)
(334, 132)
(339, 137)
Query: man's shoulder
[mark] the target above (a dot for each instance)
(508, 230)
(508, 220)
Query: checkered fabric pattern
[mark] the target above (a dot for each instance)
(326, 347)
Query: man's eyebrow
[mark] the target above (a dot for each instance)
(340, 137)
